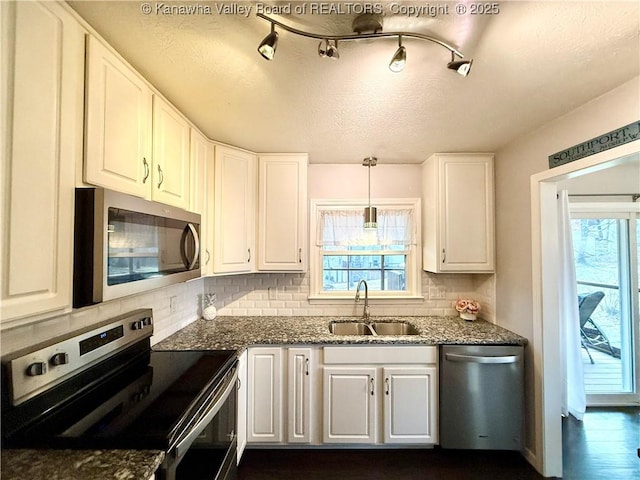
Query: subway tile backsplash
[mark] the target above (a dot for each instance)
(260, 294)
(286, 294)
(188, 298)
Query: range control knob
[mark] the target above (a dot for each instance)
(37, 368)
(137, 325)
(61, 358)
(147, 321)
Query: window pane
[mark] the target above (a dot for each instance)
(335, 280)
(600, 252)
(394, 280)
(365, 261)
(394, 261)
(334, 262)
(373, 278)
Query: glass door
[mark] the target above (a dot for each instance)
(606, 256)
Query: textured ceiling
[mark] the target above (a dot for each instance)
(533, 61)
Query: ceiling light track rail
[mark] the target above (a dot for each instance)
(360, 36)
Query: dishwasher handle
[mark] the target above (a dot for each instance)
(456, 357)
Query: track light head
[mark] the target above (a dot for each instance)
(267, 47)
(399, 59)
(463, 67)
(328, 49)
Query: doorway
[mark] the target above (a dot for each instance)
(546, 332)
(606, 257)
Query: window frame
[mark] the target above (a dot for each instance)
(413, 261)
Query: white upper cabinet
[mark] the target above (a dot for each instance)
(201, 193)
(234, 211)
(282, 212)
(170, 171)
(42, 114)
(458, 213)
(118, 124)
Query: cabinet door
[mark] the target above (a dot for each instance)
(242, 405)
(458, 213)
(170, 172)
(349, 404)
(410, 405)
(118, 124)
(282, 212)
(234, 211)
(42, 115)
(265, 395)
(201, 162)
(299, 395)
(201, 150)
(466, 214)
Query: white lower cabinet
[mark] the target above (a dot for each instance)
(264, 416)
(410, 404)
(241, 425)
(380, 394)
(299, 394)
(280, 388)
(350, 405)
(313, 395)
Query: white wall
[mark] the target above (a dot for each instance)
(515, 163)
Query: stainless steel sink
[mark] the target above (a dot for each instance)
(375, 328)
(350, 328)
(394, 328)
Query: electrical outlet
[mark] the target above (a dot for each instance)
(273, 293)
(173, 304)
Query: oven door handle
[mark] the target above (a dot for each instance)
(185, 443)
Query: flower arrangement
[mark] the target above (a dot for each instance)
(468, 309)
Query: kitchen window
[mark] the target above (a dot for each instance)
(344, 252)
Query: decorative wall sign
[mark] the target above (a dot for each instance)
(617, 137)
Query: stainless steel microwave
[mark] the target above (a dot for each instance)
(125, 245)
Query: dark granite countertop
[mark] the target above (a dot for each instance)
(79, 464)
(227, 332)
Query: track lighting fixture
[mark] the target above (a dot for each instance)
(399, 58)
(268, 46)
(329, 49)
(463, 67)
(365, 26)
(370, 213)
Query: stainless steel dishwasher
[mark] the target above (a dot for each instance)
(481, 397)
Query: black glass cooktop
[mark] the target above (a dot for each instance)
(142, 406)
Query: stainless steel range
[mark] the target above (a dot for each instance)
(104, 387)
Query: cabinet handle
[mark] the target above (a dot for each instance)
(208, 257)
(306, 361)
(371, 386)
(239, 383)
(444, 256)
(249, 252)
(146, 170)
(386, 382)
(161, 176)
(300, 255)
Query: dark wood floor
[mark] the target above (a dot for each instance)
(603, 447)
(384, 464)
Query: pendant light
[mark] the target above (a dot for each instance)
(370, 213)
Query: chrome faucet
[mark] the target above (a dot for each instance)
(365, 313)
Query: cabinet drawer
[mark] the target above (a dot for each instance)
(393, 354)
